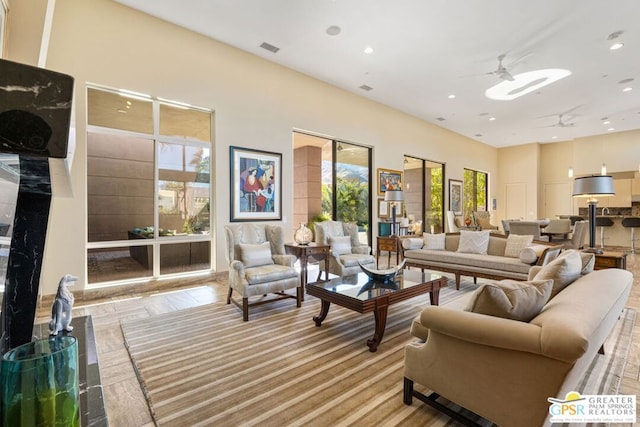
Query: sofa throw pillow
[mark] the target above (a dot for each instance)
(511, 299)
(515, 244)
(563, 270)
(255, 255)
(588, 260)
(474, 242)
(341, 245)
(433, 241)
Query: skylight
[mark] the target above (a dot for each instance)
(525, 83)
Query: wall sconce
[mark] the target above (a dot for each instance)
(570, 172)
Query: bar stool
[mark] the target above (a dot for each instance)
(632, 223)
(602, 222)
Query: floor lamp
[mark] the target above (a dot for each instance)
(392, 196)
(592, 186)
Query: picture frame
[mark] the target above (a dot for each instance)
(389, 179)
(256, 185)
(455, 196)
(383, 209)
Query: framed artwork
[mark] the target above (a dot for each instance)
(383, 209)
(256, 185)
(455, 196)
(388, 180)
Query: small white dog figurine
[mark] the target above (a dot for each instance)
(62, 305)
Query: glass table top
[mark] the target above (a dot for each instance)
(360, 287)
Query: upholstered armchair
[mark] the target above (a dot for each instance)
(258, 265)
(346, 250)
(482, 219)
(580, 231)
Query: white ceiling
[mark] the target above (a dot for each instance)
(427, 50)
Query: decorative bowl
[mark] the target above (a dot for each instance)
(383, 276)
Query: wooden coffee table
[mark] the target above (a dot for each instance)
(359, 294)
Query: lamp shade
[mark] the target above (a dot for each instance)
(596, 185)
(393, 196)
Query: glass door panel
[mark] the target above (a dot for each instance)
(352, 190)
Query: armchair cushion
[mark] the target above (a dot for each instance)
(269, 273)
(341, 245)
(434, 241)
(354, 260)
(515, 244)
(255, 255)
(511, 299)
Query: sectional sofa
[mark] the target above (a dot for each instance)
(504, 367)
(498, 261)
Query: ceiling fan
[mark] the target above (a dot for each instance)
(564, 118)
(561, 123)
(502, 71)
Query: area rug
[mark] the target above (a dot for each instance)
(205, 366)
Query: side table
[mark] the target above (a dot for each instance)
(304, 253)
(611, 259)
(389, 244)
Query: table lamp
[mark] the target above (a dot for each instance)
(591, 186)
(393, 196)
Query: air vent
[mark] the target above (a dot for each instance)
(478, 135)
(624, 81)
(440, 119)
(365, 87)
(271, 48)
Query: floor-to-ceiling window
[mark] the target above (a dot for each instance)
(475, 192)
(148, 187)
(424, 194)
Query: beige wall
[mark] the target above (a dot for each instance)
(518, 171)
(257, 104)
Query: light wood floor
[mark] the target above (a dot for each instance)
(126, 405)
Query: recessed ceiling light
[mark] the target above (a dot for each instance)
(625, 81)
(451, 96)
(554, 137)
(616, 46)
(525, 83)
(333, 30)
(606, 122)
(627, 89)
(491, 119)
(478, 135)
(368, 50)
(611, 129)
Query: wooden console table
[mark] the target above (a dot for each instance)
(389, 244)
(611, 259)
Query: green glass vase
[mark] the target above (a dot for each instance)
(39, 383)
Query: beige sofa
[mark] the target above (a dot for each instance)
(493, 265)
(504, 370)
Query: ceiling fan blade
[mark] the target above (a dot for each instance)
(505, 75)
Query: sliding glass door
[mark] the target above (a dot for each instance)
(424, 194)
(351, 184)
